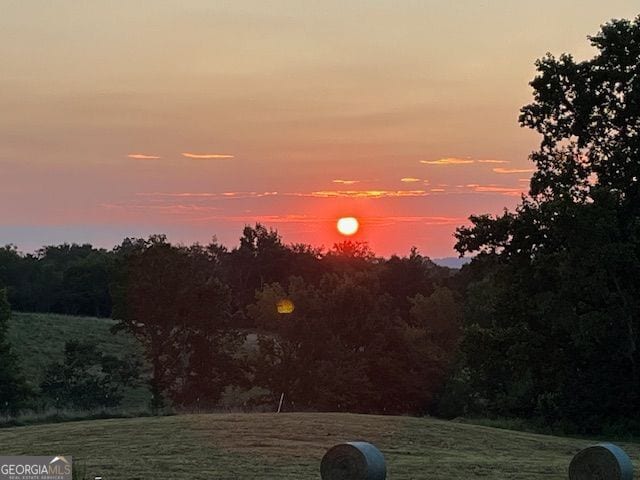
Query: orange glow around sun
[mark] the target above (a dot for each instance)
(348, 225)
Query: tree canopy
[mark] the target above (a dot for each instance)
(552, 310)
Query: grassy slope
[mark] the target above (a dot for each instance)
(38, 339)
(290, 446)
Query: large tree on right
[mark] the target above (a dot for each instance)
(553, 295)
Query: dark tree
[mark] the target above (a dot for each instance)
(344, 347)
(260, 259)
(88, 379)
(13, 389)
(552, 321)
(172, 300)
(405, 277)
(68, 279)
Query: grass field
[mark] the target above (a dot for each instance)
(248, 446)
(38, 339)
(290, 446)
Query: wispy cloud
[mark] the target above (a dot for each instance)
(143, 156)
(363, 193)
(191, 213)
(503, 170)
(345, 182)
(434, 220)
(275, 219)
(212, 195)
(448, 161)
(178, 194)
(424, 220)
(207, 156)
(169, 209)
(409, 179)
(313, 194)
(441, 188)
(462, 161)
(493, 161)
(502, 190)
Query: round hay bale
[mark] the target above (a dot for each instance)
(604, 461)
(353, 461)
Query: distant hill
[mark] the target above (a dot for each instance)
(38, 339)
(289, 446)
(451, 262)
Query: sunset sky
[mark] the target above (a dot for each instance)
(194, 118)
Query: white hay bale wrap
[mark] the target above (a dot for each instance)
(353, 461)
(604, 461)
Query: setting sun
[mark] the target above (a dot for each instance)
(348, 225)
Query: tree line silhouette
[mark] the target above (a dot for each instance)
(362, 334)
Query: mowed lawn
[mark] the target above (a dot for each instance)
(289, 446)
